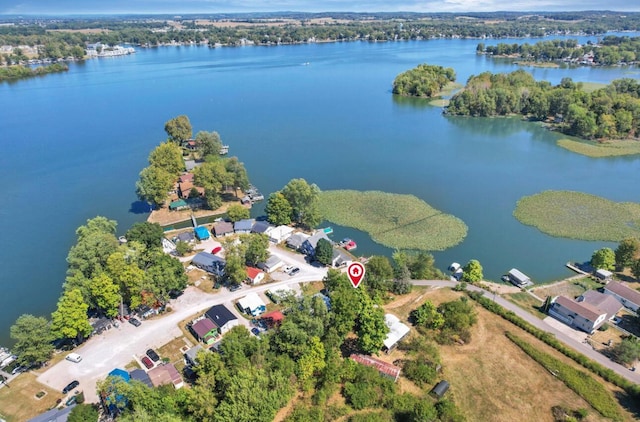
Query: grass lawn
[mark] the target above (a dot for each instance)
(601, 149)
(18, 401)
(526, 302)
(577, 215)
(592, 86)
(570, 289)
(393, 220)
(174, 351)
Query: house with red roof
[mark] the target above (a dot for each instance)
(254, 275)
(273, 319)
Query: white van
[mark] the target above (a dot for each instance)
(74, 357)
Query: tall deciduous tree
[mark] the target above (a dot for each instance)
(311, 361)
(209, 143)
(626, 252)
(472, 272)
(324, 252)
(257, 248)
(371, 327)
(635, 268)
(150, 234)
(237, 173)
(154, 185)
(379, 273)
(178, 129)
(303, 199)
(237, 212)
(428, 316)
(165, 274)
(105, 294)
(604, 259)
(278, 209)
(167, 156)
(33, 340)
(70, 320)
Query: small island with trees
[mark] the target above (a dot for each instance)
(426, 81)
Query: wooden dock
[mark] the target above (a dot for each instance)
(576, 269)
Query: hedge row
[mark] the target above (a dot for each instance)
(582, 383)
(606, 373)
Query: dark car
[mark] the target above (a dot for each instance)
(153, 355)
(295, 271)
(70, 386)
(147, 362)
(72, 400)
(135, 322)
(235, 287)
(255, 331)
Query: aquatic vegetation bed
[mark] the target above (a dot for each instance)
(394, 220)
(601, 149)
(578, 215)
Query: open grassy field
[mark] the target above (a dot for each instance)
(601, 149)
(491, 378)
(18, 400)
(527, 302)
(577, 215)
(567, 288)
(393, 220)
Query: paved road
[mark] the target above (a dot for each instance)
(117, 347)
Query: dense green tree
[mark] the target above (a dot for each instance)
(427, 315)
(423, 81)
(33, 340)
(183, 248)
(154, 185)
(209, 143)
(278, 209)
(167, 156)
(422, 267)
(312, 361)
(324, 252)
(257, 248)
(472, 272)
(237, 173)
(212, 199)
(237, 212)
(370, 328)
(379, 273)
(105, 294)
(458, 315)
(635, 268)
(70, 320)
(150, 234)
(604, 259)
(234, 270)
(303, 199)
(165, 274)
(127, 275)
(179, 129)
(627, 351)
(84, 412)
(626, 252)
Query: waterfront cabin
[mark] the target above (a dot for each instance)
(279, 234)
(244, 226)
(604, 275)
(295, 241)
(309, 246)
(222, 229)
(201, 233)
(261, 227)
(178, 205)
(518, 279)
(340, 258)
(630, 298)
(186, 237)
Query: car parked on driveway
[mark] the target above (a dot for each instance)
(70, 386)
(147, 362)
(255, 331)
(135, 322)
(294, 271)
(235, 287)
(153, 355)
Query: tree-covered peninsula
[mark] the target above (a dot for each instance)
(10, 73)
(612, 112)
(612, 50)
(423, 81)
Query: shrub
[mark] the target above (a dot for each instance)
(419, 372)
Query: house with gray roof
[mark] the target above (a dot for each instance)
(606, 303)
(271, 264)
(54, 415)
(244, 226)
(210, 263)
(630, 298)
(222, 229)
(580, 314)
(261, 227)
(295, 241)
(222, 317)
(142, 376)
(192, 354)
(309, 246)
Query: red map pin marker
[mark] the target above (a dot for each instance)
(355, 273)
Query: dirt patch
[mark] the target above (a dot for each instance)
(569, 288)
(19, 402)
(500, 289)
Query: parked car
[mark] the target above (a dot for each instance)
(294, 271)
(235, 287)
(255, 331)
(153, 355)
(135, 322)
(72, 400)
(74, 357)
(70, 386)
(288, 269)
(18, 370)
(216, 250)
(147, 362)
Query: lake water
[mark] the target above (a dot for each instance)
(72, 145)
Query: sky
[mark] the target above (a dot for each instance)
(65, 7)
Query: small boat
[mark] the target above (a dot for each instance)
(224, 150)
(306, 64)
(350, 245)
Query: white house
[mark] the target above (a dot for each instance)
(252, 304)
(271, 264)
(580, 315)
(629, 297)
(254, 275)
(279, 234)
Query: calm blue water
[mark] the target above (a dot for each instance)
(72, 146)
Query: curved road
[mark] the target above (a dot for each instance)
(117, 347)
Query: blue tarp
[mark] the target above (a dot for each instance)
(120, 373)
(201, 232)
